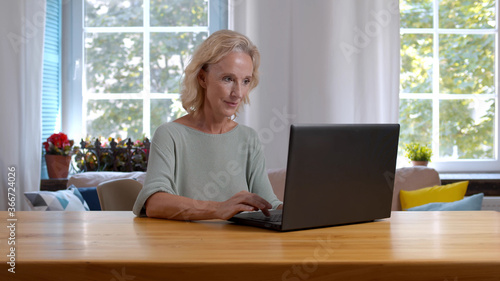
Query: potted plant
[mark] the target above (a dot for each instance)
(418, 154)
(58, 151)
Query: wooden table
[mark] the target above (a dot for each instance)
(453, 246)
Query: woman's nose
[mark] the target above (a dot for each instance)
(236, 91)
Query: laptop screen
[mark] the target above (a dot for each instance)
(339, 174)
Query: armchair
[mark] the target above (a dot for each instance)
(118, 195)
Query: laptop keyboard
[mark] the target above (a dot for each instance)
(275, 216)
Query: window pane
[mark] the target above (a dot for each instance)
(416, 63)
(115, 118)
(165, 110)
(179, 12)
(467, 14)
(416, 13)
(106, 13)
(114, 62)
(415, 118)
(466, 129)
(467, 64)
(170, 54)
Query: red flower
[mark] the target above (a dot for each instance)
(46, 145)
(58, 144)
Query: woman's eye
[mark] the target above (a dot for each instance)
(246, 81)
(227, 79)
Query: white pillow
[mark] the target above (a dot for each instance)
(62, 200)
(93, 179)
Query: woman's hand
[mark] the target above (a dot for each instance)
(241, 202)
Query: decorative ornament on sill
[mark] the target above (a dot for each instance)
(58, 152)
(419, 155)
(120, 155)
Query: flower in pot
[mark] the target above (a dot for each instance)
(58, 151)
(419, 155)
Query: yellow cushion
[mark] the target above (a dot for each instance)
(439, 193)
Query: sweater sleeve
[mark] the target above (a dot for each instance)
(258, 180)
(161, 168)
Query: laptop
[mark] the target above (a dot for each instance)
(336, 175)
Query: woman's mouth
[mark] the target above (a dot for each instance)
(232, 104)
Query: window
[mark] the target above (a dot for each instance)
(133, 56)
(448, 97)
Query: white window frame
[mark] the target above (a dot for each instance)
(465, 165)
(75, 98)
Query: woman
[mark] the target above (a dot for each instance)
(204, 165)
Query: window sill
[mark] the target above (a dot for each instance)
(53, 184)
(487, 183)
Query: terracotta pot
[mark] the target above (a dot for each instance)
(57, 166)
(419, 163)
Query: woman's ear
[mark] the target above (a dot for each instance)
(202, 76)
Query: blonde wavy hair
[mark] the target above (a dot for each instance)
(211, 51)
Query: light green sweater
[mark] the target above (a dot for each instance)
(186, 162)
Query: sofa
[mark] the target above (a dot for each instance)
(408, 179)
(87, 184)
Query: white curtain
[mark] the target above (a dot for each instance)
(21, 53)
(330, 61)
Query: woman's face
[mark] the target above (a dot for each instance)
(226, 83)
